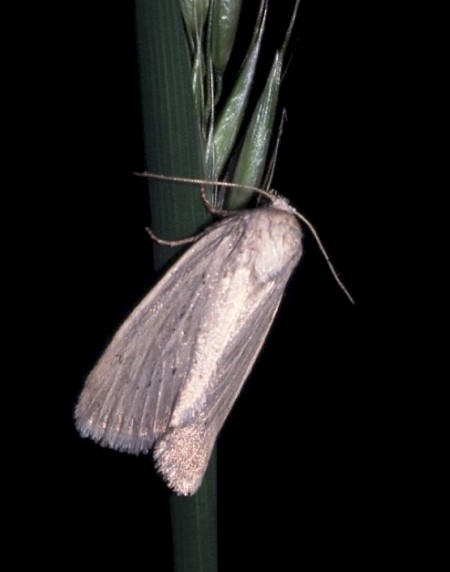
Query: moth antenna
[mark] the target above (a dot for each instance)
(203, 182)
(268, 194)
(325, 254)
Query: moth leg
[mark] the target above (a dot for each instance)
(212, 209)
(178, 242)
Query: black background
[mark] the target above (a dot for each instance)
(300, 477)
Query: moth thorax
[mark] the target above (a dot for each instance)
(279, 245)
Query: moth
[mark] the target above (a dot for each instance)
(173, 370)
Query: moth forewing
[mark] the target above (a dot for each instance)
(173, 370)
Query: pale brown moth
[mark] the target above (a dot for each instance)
(174, 368)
